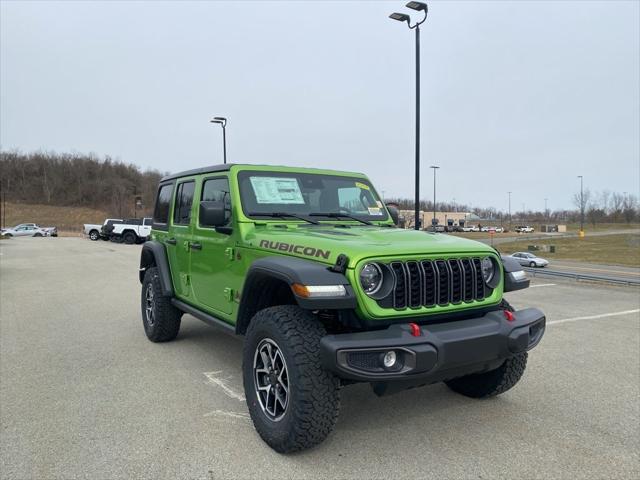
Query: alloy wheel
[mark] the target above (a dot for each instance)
(149, 306)
(271, 379)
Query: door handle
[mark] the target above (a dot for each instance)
(195, 246)
(170, 241)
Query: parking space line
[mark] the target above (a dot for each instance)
(543, 285)
(215, 378)
(593, 317)
(224, 413)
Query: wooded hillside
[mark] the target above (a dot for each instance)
(77, 180)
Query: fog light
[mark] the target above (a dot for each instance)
(389, 359)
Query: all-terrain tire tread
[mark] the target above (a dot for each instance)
(315, 412)
(167, 317)
(495, 382)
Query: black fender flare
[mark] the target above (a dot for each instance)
(154, 254)
(292, 270)
(512, 279)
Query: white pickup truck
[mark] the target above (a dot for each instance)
(132, 231)
(96, 231)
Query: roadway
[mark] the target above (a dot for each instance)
(84, 394)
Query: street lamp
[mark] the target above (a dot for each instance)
(222, 121)
(401, 17)
(433, 222)
(509, 210)
(581, 206)
(546, 210)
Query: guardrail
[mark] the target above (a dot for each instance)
(583, 276)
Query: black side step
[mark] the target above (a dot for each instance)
(205, 317)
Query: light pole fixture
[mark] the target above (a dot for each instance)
(546, 214)
(222, 121)
(433, 222)
(401, 17)
(509, 210)
(581, 206)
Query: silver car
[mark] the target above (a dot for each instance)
(25, 230)
(529, 259)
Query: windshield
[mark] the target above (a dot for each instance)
(306, 194)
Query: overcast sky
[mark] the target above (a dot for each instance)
(516, 95)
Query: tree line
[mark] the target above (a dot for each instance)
(75, 179)
(599, 207)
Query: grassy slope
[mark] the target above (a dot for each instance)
(622, 249)
(69, 219)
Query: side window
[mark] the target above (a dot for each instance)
(147, 221)
(163, 202)
(217, 190)
(184, 200)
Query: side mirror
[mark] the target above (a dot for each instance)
(212, 214)
(395, 215)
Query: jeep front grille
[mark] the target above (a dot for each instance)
(428, 283)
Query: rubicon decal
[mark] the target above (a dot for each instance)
(297, 249)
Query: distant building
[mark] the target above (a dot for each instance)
(450, 219)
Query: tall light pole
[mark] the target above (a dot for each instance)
(581, 206)
(222, 121)
(509, 210)
(401, 17)
(546, 214)
(433, 222)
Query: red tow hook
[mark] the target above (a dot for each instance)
(509, 316)
(415, 329)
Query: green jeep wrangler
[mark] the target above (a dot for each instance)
(309, 267)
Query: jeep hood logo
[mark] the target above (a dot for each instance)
(297, 249)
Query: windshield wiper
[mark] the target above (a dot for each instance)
(282, 215)
(339, 215)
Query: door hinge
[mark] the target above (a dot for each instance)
(228, 294)
(229, 253)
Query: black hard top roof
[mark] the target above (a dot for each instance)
(197, 171)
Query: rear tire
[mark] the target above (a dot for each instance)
(301, 412)
(94, 235)
(161, 320)
(129, 238)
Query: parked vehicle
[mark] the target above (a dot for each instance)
(26, 230)
(492, 229)
(308, 266)
(524, 229)
(96, 231)
(529, 259)
(468, 228)
(132, 231)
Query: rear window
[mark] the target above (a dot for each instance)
(184, 200)
(161, 212)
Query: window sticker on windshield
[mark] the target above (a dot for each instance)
(375, 211)
(362, 186)
(277, 190)
(379, 203)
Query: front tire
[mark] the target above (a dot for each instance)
(495, 382)
(161, 320)
(292, 400)
(532, 264)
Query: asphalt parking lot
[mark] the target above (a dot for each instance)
(84, 394)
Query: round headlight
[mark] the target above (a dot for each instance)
(371, 278)
(488, 269)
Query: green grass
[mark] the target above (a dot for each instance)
(622, 249)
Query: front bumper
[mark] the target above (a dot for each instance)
(440, 352)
